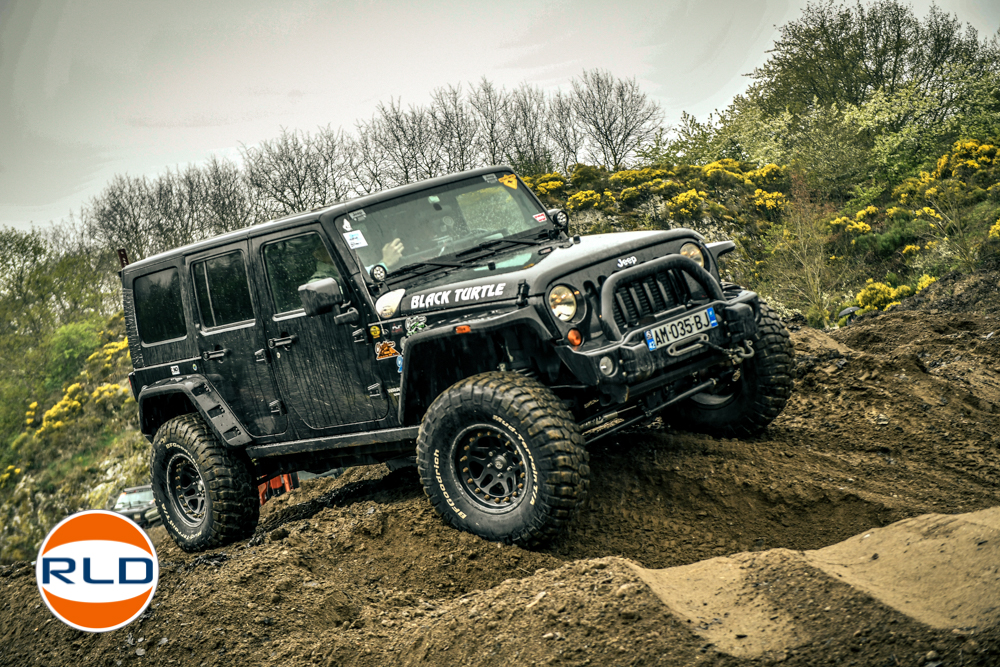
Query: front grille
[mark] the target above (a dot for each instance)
(647, 297)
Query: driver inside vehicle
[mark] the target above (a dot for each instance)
(421, 232)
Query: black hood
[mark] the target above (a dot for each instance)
(538, 267)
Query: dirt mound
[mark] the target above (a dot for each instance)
(892, 417)
(938, 570)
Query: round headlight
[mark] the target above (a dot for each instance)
(693, 251)
(562, 302)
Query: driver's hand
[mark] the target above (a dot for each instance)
(392, 252)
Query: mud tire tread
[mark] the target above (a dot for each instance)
(227, 473)
(562, 460)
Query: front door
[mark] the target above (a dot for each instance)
(231, 338)
(324, 376)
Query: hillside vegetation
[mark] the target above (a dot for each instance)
(860, 165)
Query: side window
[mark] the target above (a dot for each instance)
(293, 262)
(222, 291)
(159, 311)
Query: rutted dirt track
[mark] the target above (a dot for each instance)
(893, 418)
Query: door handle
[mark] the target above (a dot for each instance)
(281, 342)
(214, 354)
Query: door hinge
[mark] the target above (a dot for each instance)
(261, 357)
(276, 407)
(375, 391)
(359, 336)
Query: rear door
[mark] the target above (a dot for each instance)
(326, 379)
(231, 338)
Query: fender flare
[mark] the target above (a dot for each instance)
(210, 405)
(489, 325)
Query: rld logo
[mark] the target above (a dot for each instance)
(97, 571)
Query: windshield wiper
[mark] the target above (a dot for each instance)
(493, 247)
(414, 269)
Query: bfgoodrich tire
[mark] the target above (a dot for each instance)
(499, 456)
(747, 404)
(204, 492)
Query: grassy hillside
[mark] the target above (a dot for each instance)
(78, 448)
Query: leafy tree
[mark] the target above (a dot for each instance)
(839, 54)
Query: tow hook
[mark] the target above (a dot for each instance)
(736, 354)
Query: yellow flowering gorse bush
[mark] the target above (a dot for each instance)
(879, 296)
(769, 202)
(687, 205)
(925, 282)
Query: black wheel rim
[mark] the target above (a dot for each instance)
(491, 468)
(186, 489)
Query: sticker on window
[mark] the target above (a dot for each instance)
(510, 180)
(490, 178)
(540, 217)
(355, 239)
(358, 216)
(347, 225)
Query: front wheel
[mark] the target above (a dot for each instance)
(499, 456)
(752, 397)
(204, 492)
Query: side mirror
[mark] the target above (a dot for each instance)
(560, 218)
(321, 296)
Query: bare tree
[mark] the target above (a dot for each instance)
(529, 151)
(284, 174)
(227, 197)
(176, 208)
(564, 131)
(368, 163)
(615, 115)
(332, 150)
(491, 107)
(117, 217)
(407, 137)
(455, 128)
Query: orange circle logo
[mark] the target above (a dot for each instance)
(97, 571)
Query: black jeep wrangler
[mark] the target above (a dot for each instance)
(453, 319)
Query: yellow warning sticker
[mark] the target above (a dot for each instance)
(510, 180)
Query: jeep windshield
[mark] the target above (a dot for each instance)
(444, 227)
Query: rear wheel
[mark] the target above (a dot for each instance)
(499, 456)
(204, 492)
(752, 396)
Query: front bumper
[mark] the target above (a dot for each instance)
(632, 360)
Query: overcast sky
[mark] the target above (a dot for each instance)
(92, 89)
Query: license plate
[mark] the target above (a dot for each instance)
(685, 327)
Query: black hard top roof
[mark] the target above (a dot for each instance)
(298, 218)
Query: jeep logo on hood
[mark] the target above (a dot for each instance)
(452, 296)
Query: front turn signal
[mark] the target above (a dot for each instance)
(574, 337)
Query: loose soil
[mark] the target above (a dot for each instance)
(693, 550)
